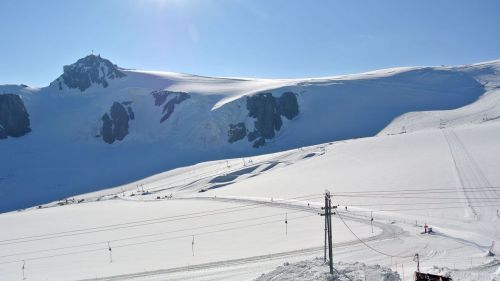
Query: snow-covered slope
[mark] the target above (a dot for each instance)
(225, 220)
(487, 108)
(99, 125)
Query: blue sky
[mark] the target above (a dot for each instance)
(251, 38)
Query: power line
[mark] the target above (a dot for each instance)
(145, 222)
(457, 188)
(148, 235)
(415, 203)
(413, 197)
(430, 208)
(157, 240)
(370, 247)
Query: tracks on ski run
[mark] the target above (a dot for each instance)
(389, 231)
(472, 180)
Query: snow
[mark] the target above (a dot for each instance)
(442, 175)
(60, 157)
(161, 243)
(290, 183)
(317, 270)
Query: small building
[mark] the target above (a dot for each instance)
(419, 276)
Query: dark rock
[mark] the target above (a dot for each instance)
(267, 110)
(120, 121)
(107, 129)
(168, 107)
(260, 142)
(87, 71)
(263, 108)
(237, 132)
(115, 125)
(14, 119)
(130, 113)
(288, 105)
(253, 135)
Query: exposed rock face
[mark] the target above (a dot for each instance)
(87, 71)
(237, 132)
(267, 110)
(14, 119)
(107, 129)
(115, 124)
(168, 99)
(288, 105)
(120, 121)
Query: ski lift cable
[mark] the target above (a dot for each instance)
(416, 197)
(236, 207)
(368, 246)
(416, 189)
(158, 240)
(415, 203)
(147, 235)
(218, 211)
(420, 209)
(211, 225)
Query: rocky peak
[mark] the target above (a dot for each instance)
(14, 119)
(87, 71)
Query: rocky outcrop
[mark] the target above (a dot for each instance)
(115, 124)
(288, 105)
(14, 119)
(267, 111)
(107, 129)
(88, 71)
(168, 100)
(237, 132)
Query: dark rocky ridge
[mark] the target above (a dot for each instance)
(14, 118)
(267, 110)
(87, 71)
(237, 132)
(115, 124)
(161, 98)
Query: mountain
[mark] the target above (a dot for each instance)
(99, 125)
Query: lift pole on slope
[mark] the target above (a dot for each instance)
(24, 266)
(328, 228)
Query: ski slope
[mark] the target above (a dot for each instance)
(224, 219)
(445, 178)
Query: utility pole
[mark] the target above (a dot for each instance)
(417, 259)
(326, 231)
(110, 253)
(24, 265)
(192, 246)
(328, 228)
(371, 220)
(403, 270)
(330, 250)
(286, 224)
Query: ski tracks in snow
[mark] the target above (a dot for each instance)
(474, 184)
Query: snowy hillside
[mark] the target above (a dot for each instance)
(484, 110)
(99, 125)
(225, 220)
(236, 218)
